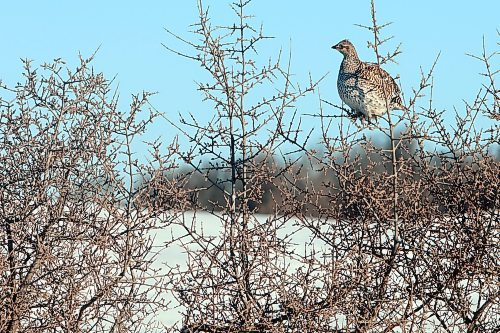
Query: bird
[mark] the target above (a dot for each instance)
(365, 87)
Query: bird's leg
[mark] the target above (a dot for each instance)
(370, 119)
(355, 114)
(370, 122)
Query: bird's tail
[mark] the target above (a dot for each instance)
(397, 103)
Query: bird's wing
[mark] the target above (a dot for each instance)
(379, 79)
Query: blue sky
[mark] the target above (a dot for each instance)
(130, 34)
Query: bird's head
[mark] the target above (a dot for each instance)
(345, 47)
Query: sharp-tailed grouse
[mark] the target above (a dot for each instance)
(361, 85)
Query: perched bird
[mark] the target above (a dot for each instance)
(365, 87)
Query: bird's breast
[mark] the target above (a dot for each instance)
(348, 87)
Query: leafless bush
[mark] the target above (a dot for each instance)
(75, 252)
(358, 237)
(395, 239)
(411, 241)
(238, 261)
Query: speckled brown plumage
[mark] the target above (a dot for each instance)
(365, 87)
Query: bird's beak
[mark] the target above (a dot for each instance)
(335, 46)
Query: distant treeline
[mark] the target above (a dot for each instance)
(206, 183)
